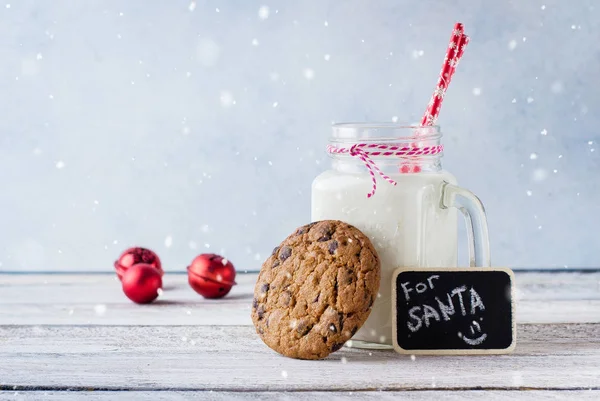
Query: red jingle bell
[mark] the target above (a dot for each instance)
(133, 256)
(211, 276)
(141, 283)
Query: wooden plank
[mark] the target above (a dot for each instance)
(97, 300)
(232, 358)
(509, 395)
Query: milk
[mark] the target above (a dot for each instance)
(405, 223)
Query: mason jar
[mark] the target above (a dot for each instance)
(387, 180)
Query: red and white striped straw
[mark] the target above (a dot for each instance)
(456, 48)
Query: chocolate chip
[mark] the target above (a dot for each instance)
(354, 330)
(324, 339)
(303, 327)
(341, 321)
(254, 303)
(264, 288)
(347, 276)
(261, 331)
(326, 234)
(336, 347)
(275, 264)
(333, 245)
(275, 250)
(260, 312)
(333, 328)
(285, 253)
(317, 298)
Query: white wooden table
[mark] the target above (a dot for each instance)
(63, 337)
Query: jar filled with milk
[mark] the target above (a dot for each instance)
(387, 180)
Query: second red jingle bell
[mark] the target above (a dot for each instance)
(211, 276)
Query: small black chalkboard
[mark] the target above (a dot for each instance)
(453, 311)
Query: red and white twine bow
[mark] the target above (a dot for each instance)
(363, 152)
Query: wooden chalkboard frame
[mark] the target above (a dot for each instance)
(496, 351)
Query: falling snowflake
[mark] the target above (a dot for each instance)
(168, 241)
(60, 164)
(263, 12)
(539, 174)
(412, 357)
(529, 99)
(529, 193)
(226, 99)
(417, 53)
(327, 57)
(192, 6)
(476, 91)
(254, 42)
(207, 52)
(512, 45)
(533, 156)
(344, 360)
(192, 245)
(309, 73)
(275, 104)
(395, 119)
(544, 132)
(284, 374)
(100, 309)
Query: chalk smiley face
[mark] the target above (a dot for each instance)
(475, 328)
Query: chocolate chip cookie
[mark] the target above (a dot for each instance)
(316, 290)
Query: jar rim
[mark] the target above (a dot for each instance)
(383, 132)
(387, 125)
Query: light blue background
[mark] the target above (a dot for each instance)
(146, 122)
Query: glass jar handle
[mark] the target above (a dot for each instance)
(477, 230)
